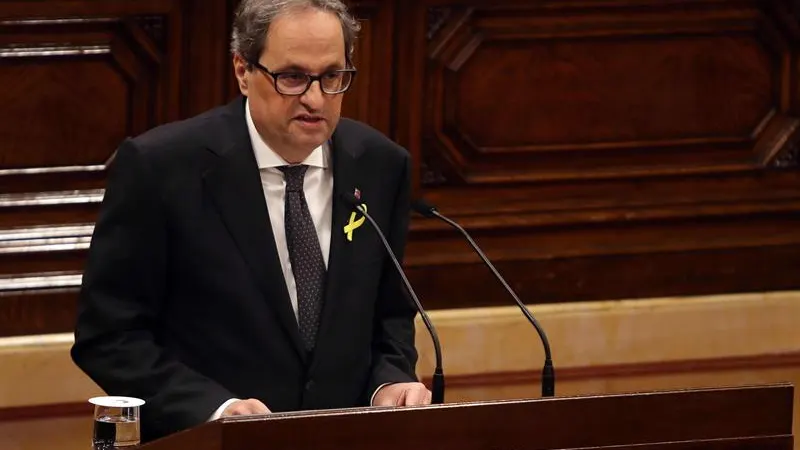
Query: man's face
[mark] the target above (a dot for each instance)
(304, 41)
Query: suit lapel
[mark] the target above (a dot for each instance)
(235, 186)
(344, 180)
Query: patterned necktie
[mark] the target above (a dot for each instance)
(305, 254)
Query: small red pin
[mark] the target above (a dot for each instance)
(357, 194)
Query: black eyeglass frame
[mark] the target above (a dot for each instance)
(311, 79)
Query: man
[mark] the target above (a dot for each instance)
(226, 275)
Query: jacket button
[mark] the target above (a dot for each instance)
(309, 385)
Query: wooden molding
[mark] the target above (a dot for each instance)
(39, 412)
(585, 336)
(755, 362)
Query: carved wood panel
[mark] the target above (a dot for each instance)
(76, 88)
(574, 91)
(602, 149)
(370, 99)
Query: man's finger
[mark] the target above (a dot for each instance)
(384, 401)
(236, 410)
(383, 397)
(416, 396)
(257, 407)
(401, 399)
(246, 407)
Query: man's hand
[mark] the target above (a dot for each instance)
(402, 394)
(245, 407)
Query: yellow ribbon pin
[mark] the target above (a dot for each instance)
(352, 224)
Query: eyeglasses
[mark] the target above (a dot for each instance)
(297, 83)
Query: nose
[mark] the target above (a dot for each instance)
(313, 98)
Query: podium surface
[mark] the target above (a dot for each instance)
(742, 418)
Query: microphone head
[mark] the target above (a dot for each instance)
(350, 198)
(421, 206)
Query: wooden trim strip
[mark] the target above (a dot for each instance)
(518, 377)
(39, 412)
(613, 336)
(57, 10)
(57, 169)
(10, 284)
(46, 232)
(57, 198)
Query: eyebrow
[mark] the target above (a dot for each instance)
(299, 68)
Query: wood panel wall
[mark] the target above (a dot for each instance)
(597, 149)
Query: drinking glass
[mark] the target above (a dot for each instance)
(116, 422)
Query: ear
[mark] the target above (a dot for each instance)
(242, 74)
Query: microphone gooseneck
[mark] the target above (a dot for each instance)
(438, 385)
(548, 372)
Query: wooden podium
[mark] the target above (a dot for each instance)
(758, 417)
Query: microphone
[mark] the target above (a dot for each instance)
(548, 373)
(437, 388)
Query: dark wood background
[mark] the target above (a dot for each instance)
(596, 149)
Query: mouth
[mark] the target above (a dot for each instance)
(309, 119)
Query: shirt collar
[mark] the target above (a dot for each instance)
(267, 158)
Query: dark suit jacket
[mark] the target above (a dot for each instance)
(183, 300)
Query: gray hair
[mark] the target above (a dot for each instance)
(253, 18)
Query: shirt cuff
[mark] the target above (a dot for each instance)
(372, 399)
(219, 410)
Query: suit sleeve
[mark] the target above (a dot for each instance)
(124, 283)
(394, 354)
